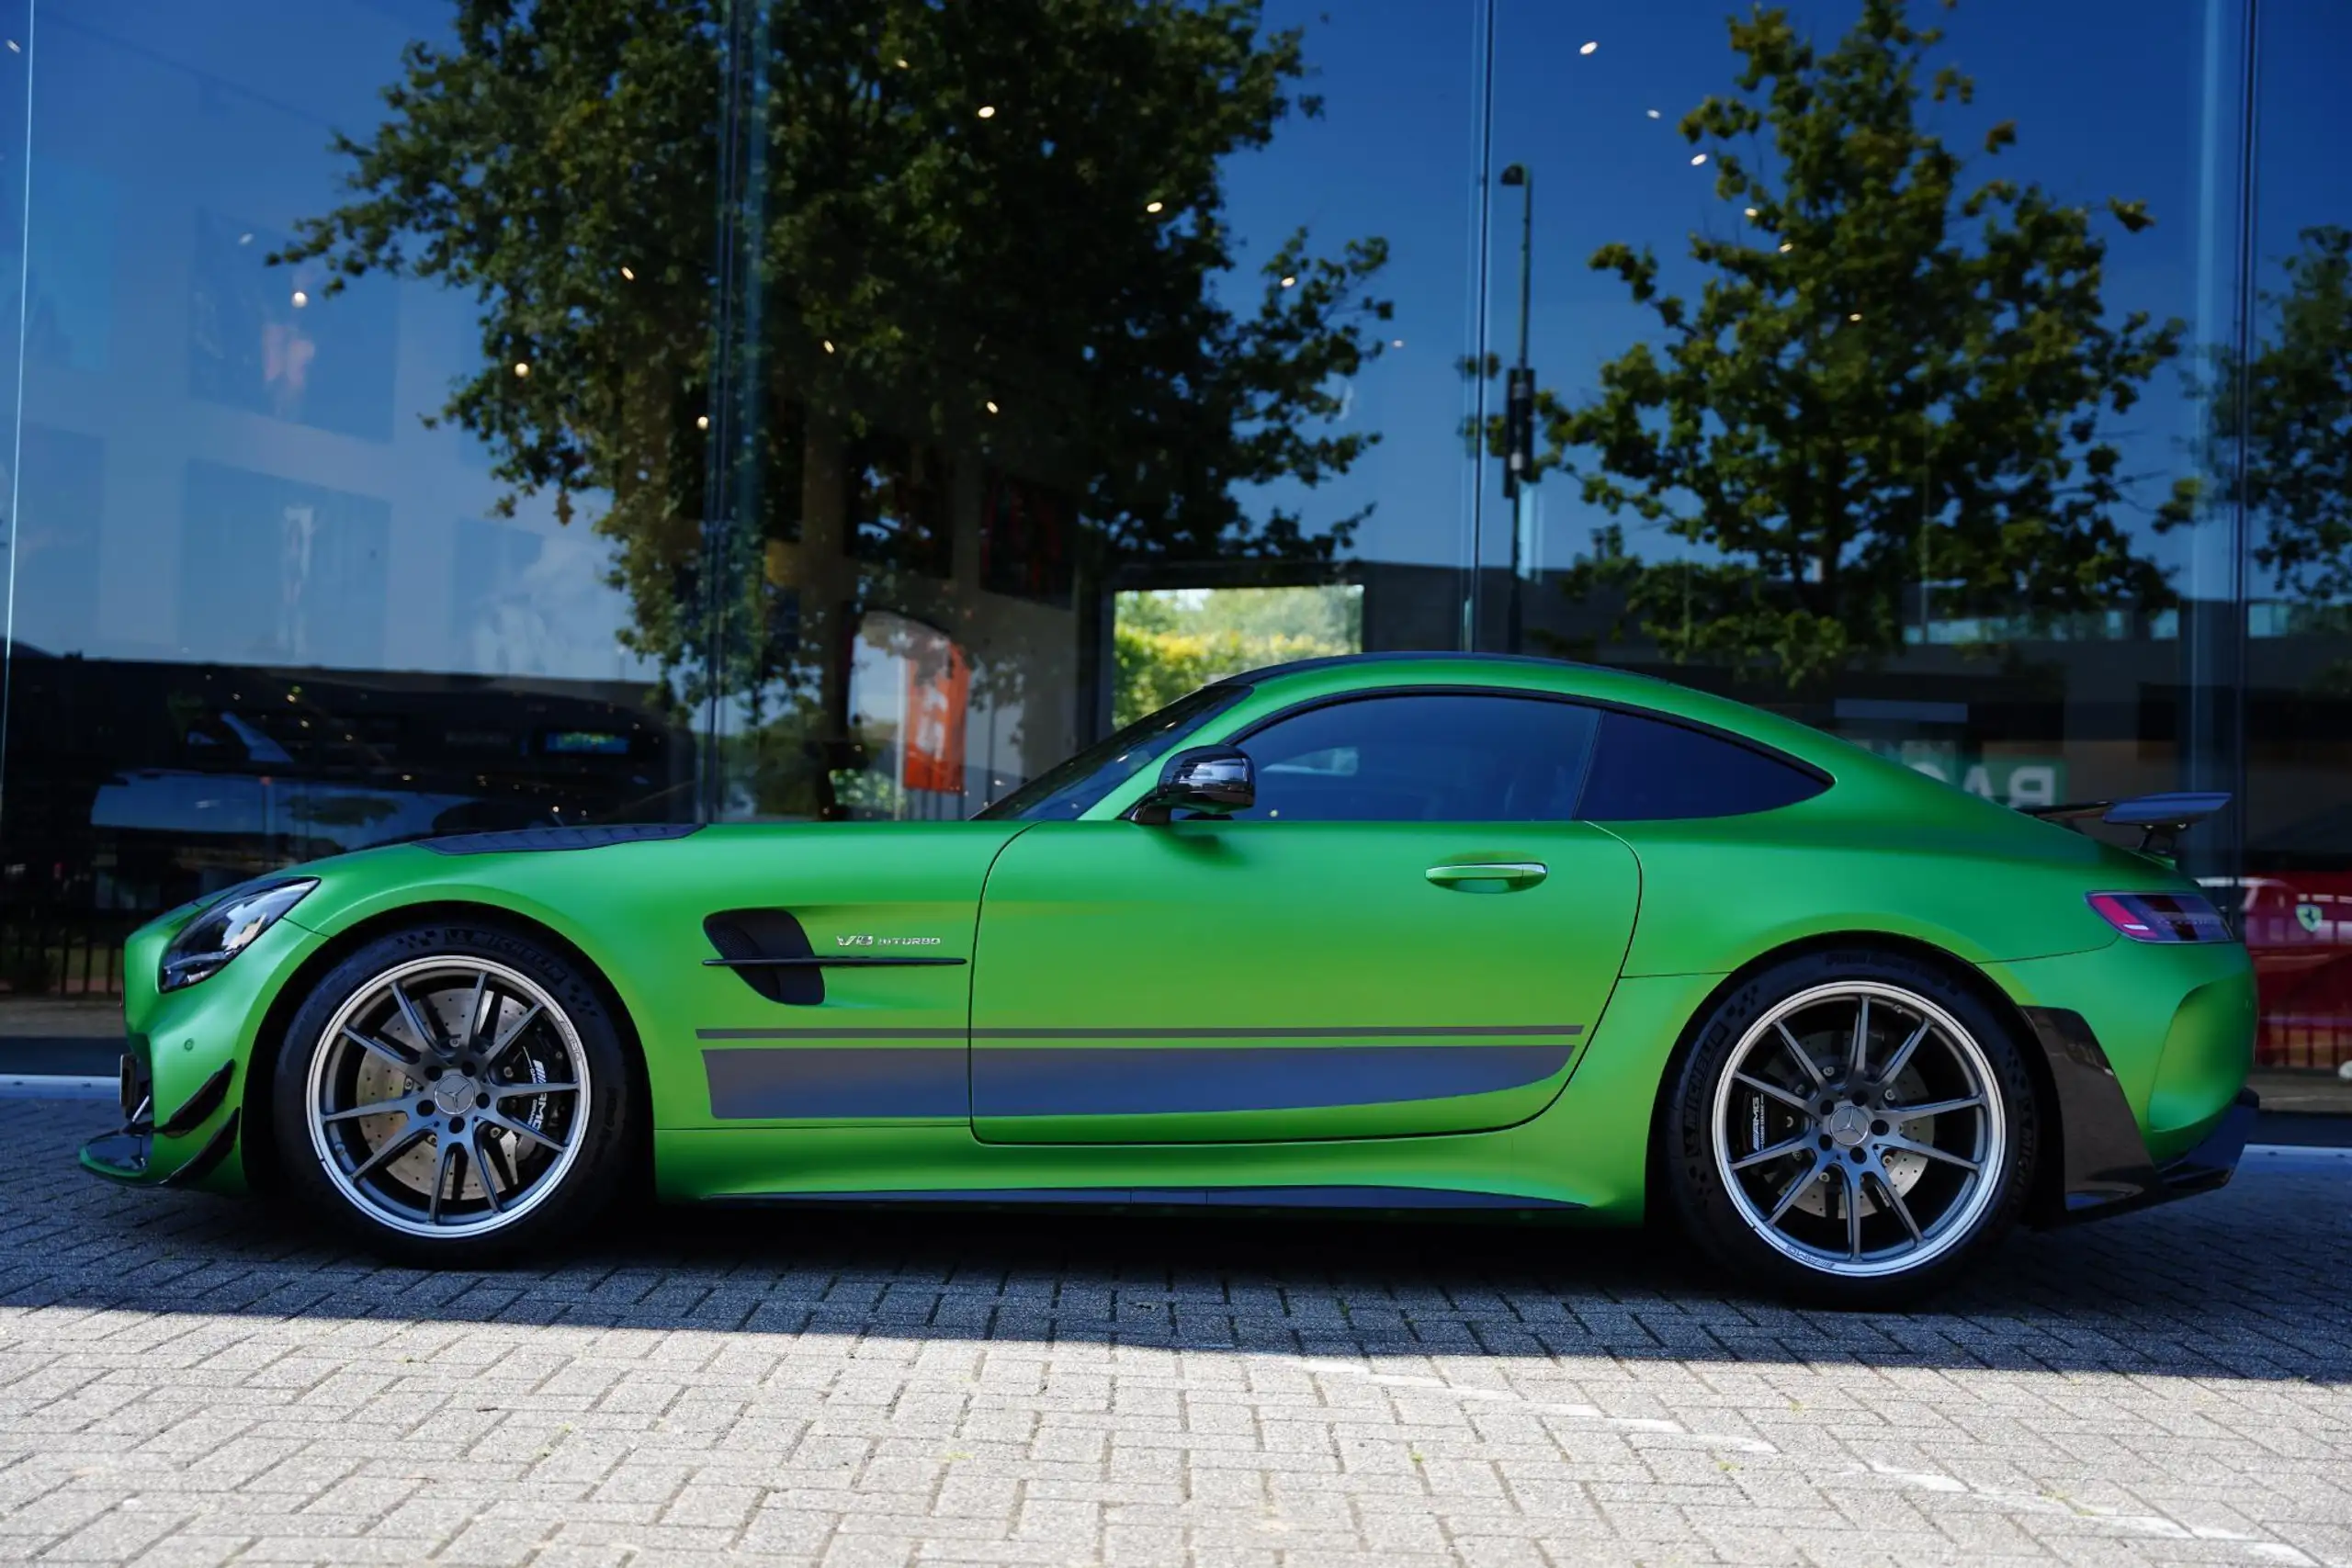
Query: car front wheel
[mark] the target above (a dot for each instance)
(459, 1094)
(1850, 1129)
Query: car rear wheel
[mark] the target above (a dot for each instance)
(454, 1094)
(1850, 1129)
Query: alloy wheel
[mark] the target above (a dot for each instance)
(448, 1095)
(1860, 1129)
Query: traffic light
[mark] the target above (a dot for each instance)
(1519, 429)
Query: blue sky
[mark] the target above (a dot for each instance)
(2130, 97)
(2135, 98)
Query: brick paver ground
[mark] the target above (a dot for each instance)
(186, 1381)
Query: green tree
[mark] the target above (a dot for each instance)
(1889, 376)
(2283, 417)
(1168, 644)
(994, 227)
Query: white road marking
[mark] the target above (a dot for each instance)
(1574, 1411)
(2152, 1524)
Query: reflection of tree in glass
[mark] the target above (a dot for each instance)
(1887, 377)
(990, 227)
(2284, 417)
(1169, 644)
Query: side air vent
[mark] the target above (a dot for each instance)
(754, 934)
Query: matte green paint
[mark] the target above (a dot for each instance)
(636, 910)
(184, 1036)
(1105, 925)
(2179, 1016)
(1210, 927)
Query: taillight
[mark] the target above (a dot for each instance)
(2162, 917)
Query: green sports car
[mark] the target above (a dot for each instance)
(1379, 933)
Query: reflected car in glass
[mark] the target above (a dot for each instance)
(1382, 932)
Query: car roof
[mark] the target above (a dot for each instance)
(1336, 660)
(1588, 683)
(1561, 677)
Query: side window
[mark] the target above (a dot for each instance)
(1423, 757)
(1646, 770)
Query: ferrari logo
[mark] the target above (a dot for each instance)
(2308, 916)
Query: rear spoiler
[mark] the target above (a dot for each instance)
(2161, 819)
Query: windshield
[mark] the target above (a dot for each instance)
(1067, 791)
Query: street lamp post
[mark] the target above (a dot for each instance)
(1518, 413)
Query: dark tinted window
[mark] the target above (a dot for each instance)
(1423, 757)
(1646, 770)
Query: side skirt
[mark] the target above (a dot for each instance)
(1327, 1197)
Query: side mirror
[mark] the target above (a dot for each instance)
(1212, 779)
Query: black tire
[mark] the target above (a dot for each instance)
(486, 1118)
(1851, 1254)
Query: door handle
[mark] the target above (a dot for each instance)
(1489, 876)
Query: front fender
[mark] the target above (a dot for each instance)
(193, 1049)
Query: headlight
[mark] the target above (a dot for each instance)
(206, 944)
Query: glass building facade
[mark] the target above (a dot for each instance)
(430, 415)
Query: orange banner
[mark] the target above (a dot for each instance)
(938, 691)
